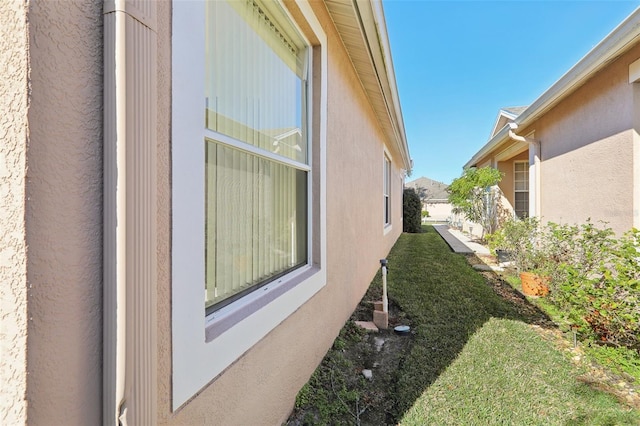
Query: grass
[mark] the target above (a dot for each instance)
(474, 357)
(507, 374)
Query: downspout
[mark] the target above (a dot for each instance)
(115, 217)
(536, 162)
(130, 185)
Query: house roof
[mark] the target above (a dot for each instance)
(620, 40)
(506, 115)
(436, 191)
(363, 30)
(514, 111)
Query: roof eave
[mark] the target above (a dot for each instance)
(362, 28)
(497, 139)
(617, 42)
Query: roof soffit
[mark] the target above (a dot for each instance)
(362, 29)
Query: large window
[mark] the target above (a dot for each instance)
(256, 148)
(521, 188)
(248, 178)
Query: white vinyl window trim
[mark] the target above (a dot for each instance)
(521, 186)
(198, 354)
(386, 192)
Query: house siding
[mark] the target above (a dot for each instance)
(51, 221)
(51, 163)
(260, 387)
(507, 182)
(64, 213)
(13, 169)
(588, 156)
(587, 146)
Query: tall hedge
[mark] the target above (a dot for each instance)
(411, 211)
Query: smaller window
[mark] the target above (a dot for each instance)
(386, 190)
(521, 188)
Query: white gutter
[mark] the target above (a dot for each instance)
(362, 28)
(381, 25)
(497, 139)
(617, 42)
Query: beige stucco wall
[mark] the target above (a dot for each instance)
(507, 183)
(13, 249)
(260, 387)
(64, 213)
(438, 212)
(587, 151)
(587, 146)
(51, 220)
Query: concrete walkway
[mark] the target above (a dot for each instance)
(459, 242)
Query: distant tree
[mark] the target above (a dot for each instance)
(474, 195)
(423, 193)
(411, 211)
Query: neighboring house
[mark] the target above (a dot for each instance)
(574, 153)
(434, 197)
(195, 197)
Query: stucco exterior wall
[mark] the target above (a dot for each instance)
(64, 213)
(13, 253)
(260, 387)
(438, 212)
(507, 183)
(587, 145)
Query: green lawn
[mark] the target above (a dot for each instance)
(473, 358)
(508, 375)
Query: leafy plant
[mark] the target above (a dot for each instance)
(522, 239)
(594, 278)
(411, 211)
(474, 194)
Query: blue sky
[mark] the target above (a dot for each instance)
(458, 62)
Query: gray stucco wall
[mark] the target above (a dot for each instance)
(64, 213)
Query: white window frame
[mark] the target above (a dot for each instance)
(203, 347)
(515, 191)
(386, 197)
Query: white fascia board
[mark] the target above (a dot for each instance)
(613, 45)
(501, 113)
(496, 140)
(383, 38)
(374, 32)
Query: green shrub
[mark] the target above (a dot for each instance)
(597, 283)
(522, 239)
(593, 277)
(411, 211)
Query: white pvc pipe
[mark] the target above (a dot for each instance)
(385, 300)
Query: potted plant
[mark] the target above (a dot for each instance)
(522, 239)
(496, 242)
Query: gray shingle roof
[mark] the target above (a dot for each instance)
(517, 110)
(435, 190)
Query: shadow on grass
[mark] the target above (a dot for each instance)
(447, 301)
(444, 300)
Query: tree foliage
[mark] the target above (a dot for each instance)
(473, 196)
(411, 211)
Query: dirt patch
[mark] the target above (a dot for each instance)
(359, 374)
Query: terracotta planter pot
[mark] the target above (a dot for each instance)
(533, 284)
